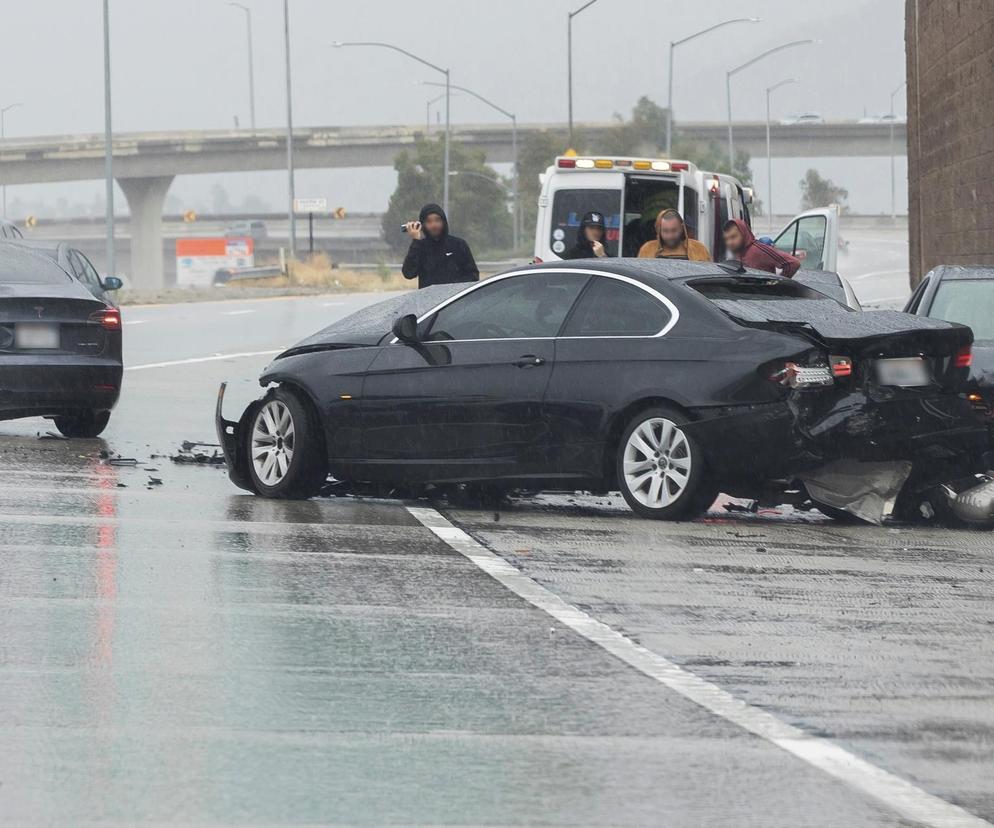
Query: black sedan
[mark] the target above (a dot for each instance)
(670, 381)
(75, 263)
(60, 347)
(965, 295)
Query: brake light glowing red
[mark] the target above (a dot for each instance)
(109, 319)
(963, 358)
(567, 163)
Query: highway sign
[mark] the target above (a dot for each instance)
(310, 205)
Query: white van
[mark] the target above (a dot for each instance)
(631, 192)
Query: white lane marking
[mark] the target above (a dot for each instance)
(332, 304)
(899, 794)
(236, 312)
(874, 273)
(194, 360)
(135, 321)
(887, 300)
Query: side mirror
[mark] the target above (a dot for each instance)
(406, 329)
(111, 283)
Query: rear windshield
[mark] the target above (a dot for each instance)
(570, 206)
(756, 289)
(969, 302)
(19, 267)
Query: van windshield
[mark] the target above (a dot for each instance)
(570, 206)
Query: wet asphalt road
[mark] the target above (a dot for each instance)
(185, 653)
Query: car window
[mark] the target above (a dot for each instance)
(568, 210)
(91, 272)
(805, 239)
(967, 301)
(916, 298)
(610, 307)
(521, 307)
(78, 269)
(645, 198)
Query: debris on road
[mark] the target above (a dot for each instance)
(194, 454)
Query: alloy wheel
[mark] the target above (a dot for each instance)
(272, 442)
(657, 463)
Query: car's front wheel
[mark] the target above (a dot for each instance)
(660, 468)
(87, 423)
(286, 456)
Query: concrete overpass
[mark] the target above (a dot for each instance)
(146, 163)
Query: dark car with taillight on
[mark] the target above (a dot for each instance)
(671, 381)
(965, 295)
(60, 346)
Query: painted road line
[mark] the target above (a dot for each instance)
(236, 312)
(135, 321)
(900, 795)
(874, 273)
(195, 360)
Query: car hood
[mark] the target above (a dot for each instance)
(369, 325)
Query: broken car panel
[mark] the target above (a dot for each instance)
(670, 381)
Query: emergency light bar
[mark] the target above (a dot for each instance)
(569, 162)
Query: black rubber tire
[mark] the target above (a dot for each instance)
(308, 470)
(700, 491)
(85, 424)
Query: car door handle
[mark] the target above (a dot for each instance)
(529, 361)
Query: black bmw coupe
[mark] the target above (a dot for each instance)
(670, 381)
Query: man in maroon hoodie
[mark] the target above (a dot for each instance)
(741, 244)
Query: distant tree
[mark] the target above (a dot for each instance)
(822, 192)
(537, 152)
(478, 196)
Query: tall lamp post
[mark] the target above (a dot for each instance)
(728, 87)
(769, 152)
(428, 105)
(448, 96)
(569, 61)
(291, 215)
(514, 151)
(108, 147)
(673, 45)
(3, 134)
(893, 175)
(251, 62)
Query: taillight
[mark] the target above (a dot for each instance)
(538, 260)
(109, 319)
(963, 357)
(841, 366)
(793, 375)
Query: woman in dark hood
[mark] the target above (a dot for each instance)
(590, 239)
(436, 257)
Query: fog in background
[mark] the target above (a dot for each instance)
(181, 64)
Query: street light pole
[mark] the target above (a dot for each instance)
(569, 62)
(3, 137)
(514, 149)
(673, 45)
(769, 152)
(448, 100)
(428, 106)
(893, 174)
(251, 61)
(111, 265)
(728, 88)
(289, 133)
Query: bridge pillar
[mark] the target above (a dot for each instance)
(146, 198)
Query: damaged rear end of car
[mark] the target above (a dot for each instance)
(870, 408)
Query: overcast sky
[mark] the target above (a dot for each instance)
(181, 63)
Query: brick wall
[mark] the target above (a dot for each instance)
(950, 53)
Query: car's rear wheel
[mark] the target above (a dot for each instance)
(286, 457)
(661, 469)
(87, 423)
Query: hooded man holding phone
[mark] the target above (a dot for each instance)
(435, 257)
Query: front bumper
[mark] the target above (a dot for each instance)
(232, 435)
(52, 385)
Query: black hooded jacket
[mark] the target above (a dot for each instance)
(584, 248)
(442, 261)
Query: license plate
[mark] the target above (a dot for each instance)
(905, 373)
(36, 336)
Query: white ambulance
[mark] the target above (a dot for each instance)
(631, 192)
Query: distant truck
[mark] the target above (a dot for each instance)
(630, 192)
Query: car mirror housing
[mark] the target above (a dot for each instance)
(406, 329)
(111, 283)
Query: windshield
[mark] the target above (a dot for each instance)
(969, 302)
(570, 206)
